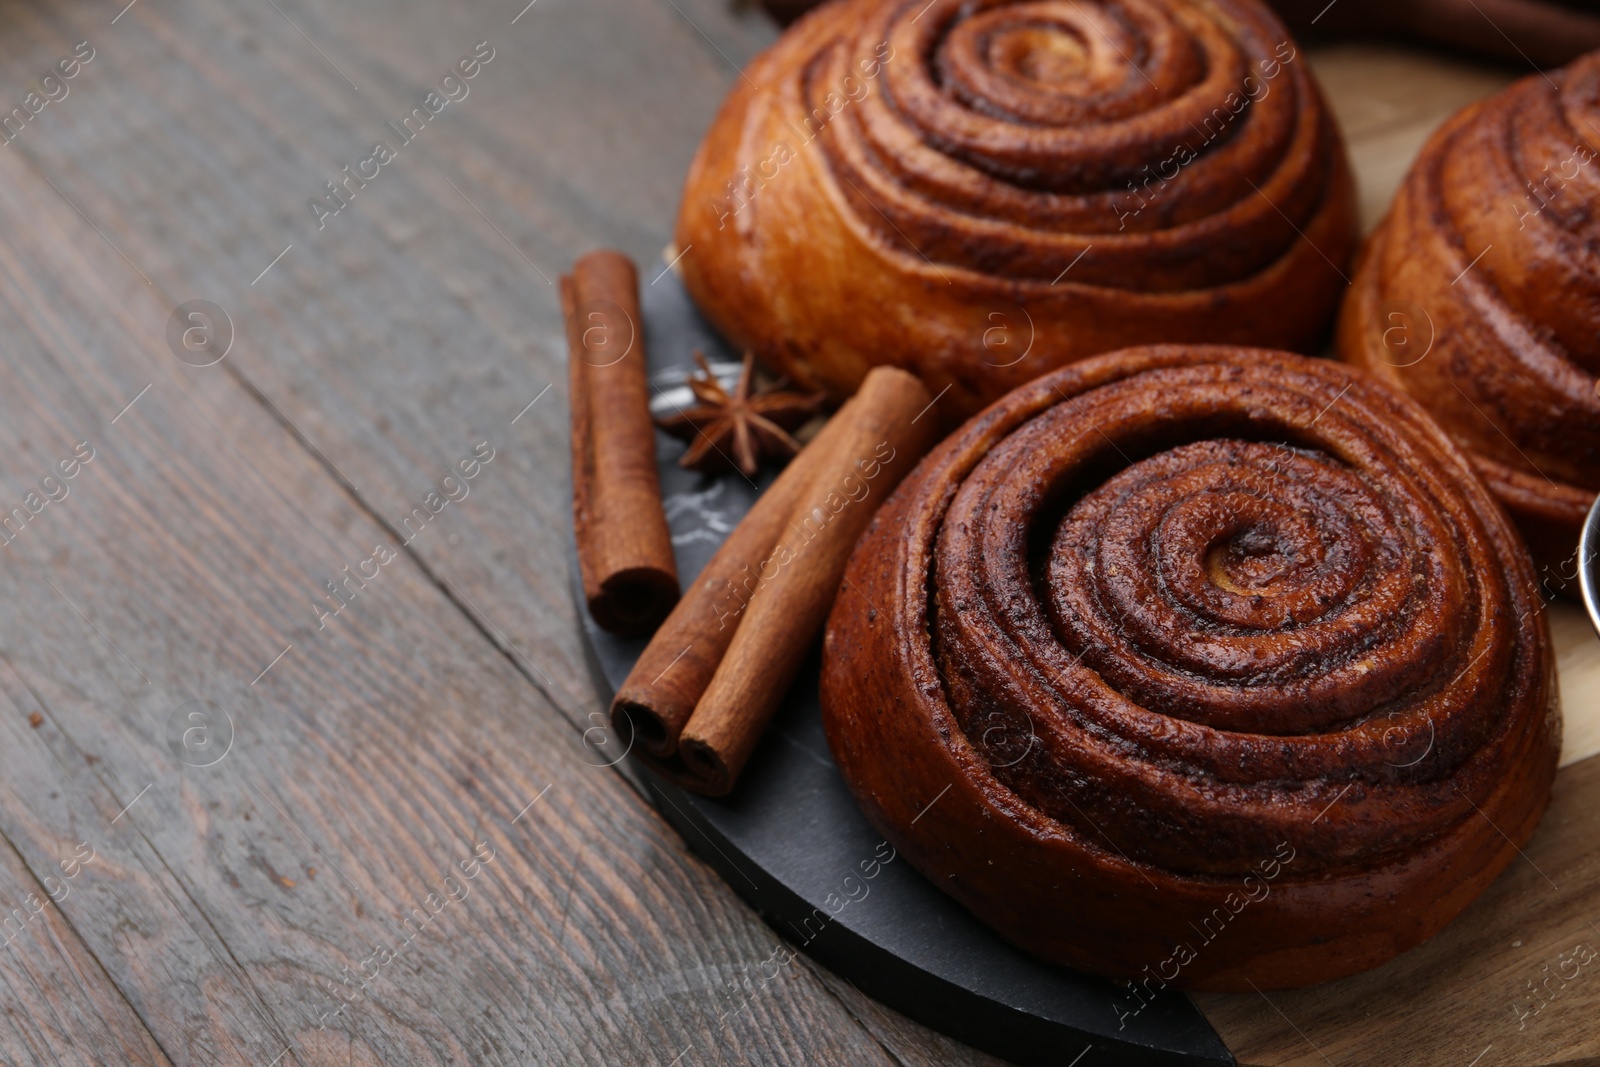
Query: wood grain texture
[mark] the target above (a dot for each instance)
(1388, 100)
(365, 767)
(370, 356)
(60, 1006)
(372, 750)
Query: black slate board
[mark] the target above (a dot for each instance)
(790, 834)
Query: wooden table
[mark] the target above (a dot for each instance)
(230, 811)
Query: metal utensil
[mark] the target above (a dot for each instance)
(1589, 564)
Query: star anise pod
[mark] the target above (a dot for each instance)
(737, 430)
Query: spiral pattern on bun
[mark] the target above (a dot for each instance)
(1220, 662)
(981, 190)
(1480, 296)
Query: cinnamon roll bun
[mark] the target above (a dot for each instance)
(1197, 666)
(1480, 296)
(981, 190)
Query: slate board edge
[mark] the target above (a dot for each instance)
(1026, 1034)
(951, 1009)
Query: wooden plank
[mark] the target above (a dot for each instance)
(366, 765)
(419, 317)
(372, 753)
(58, 807)
(389, 343)
(56, 1004)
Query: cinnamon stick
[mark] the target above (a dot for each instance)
(700, 696)
(660, 693)
(630, 579)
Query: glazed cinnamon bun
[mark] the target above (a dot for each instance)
(1197, 666)
(1480, 296)
(981, 191)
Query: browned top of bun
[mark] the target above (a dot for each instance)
(981, 191)
(1166, 614)
(1480, 293)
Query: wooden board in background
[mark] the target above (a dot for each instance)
(370, 357)
(368, 754)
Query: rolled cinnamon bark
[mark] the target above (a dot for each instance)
(660, 694)
(630, 579)
(705, 687)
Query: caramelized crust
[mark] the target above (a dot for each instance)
(1480, 296)
(982, 191)
(1213, 664)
